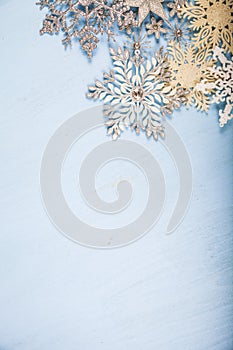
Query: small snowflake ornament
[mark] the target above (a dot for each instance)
(178, 33)
(137, 95)
(175, 7)
(156, 28)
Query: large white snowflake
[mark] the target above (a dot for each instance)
(137, 93)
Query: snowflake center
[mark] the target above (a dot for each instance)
(137, 94)
(190, 76)
(137, 48)
(218, 15)
(136, 45)
(178, 33)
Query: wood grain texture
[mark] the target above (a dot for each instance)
(162, 292)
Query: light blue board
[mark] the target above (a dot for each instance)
(164, 292)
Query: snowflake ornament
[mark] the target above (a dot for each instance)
(85, 20)
(147, 6)
(189, 66)
(223, 85)
(211, 21)
(156, 28)
(137, 95)
(178, 33)
(175, 7)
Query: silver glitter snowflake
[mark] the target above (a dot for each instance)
(137, 95)
(175, 6)
(178, 33)
(138, 46)
(85, 20)
(156, 27)
(222, 71)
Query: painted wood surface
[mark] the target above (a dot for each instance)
(165, 292)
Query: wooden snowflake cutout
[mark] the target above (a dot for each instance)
(223, 85)
(189, 66)
(137, 95)
(85, 20)
(211, 21)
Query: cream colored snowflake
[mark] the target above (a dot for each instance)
(189, 66)
(223, 85)
(211, 21)
(137, 95)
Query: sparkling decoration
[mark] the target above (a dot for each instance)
(137, 95)
(195, 68)
(155, 27)
(223, 85)
(175, 7)
(178, 34)
(85, 19)
(147, 6)
(212, 23)
(138, 47)
(189, 66)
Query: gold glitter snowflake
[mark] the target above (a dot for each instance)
(189, 66)
(85, 20)
(223, 85)
(137, 95)
(211, 21)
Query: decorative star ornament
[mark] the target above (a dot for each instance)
(147, 6)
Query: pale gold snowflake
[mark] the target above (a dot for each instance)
(189, 66)
(211, 21)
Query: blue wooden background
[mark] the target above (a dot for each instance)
(164, 292)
